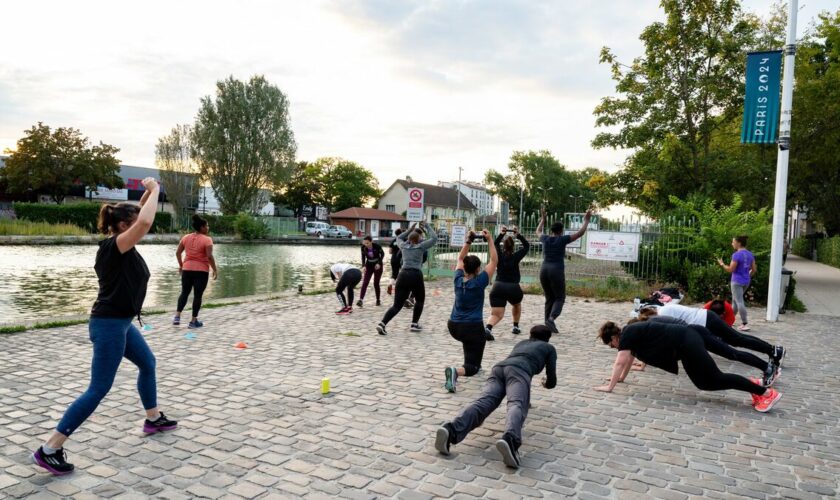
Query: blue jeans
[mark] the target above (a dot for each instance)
(113, 339)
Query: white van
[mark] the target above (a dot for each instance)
(317, 228)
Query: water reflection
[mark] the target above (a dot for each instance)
(42, 282)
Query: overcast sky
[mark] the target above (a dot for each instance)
(402, 87)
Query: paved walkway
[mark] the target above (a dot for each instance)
(253, 423)
(817, 285)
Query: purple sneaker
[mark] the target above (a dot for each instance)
(55, 463)
(159, 425)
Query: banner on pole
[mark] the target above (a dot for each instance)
(761, 98)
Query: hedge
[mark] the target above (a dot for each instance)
(828, 251)
(82, 214)
(801, 247)
(220, 224)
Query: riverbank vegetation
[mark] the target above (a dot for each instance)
(17, 227)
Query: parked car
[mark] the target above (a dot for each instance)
(317, 228)
(338, 232)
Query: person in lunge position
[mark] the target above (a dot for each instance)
(346, 277)
(123, 277)
(553, 270)
(195, 269)
(466, 323)
(410, 279)
(373, 258)
(506, 288)
(742, 266)
(510, 377)
(662, 345)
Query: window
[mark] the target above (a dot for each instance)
(391, 208)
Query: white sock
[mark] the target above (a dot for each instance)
(48, 450)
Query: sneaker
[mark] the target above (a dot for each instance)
(55, 463)
(744, 328)
(159, 425)
(195, 324)
(765, 402)
(380, 329)
(360, 303)
(343, 311)
(756, 381)
(451, 374)
(415, 327)
(516, 330)
(442, 437)
(509, 454)
(770, 376)
(552, 325)
(779, 354)
(488, 336)
(378, 303)
(176, 320)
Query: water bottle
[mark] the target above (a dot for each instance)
(637, 303)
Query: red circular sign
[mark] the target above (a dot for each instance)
(415, 195)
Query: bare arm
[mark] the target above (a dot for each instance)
(463, 253)
(490, 268)
(212, 261)
(582, 230)
(128, 238)
(178, 253)
(753, 269)
(542, 223)
(622, 361)
(730, 268)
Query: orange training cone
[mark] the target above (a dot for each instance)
(241, 345)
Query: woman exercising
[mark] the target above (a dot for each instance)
(662, 345)
(506, 288)
(195, 269)
(466, 321)
(373, 258)
(553, 271)
(347, 277)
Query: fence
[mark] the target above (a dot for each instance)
(662, 245)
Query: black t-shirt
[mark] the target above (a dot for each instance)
(507, 270)
(656, 343)
(122, 281)
(532, 356)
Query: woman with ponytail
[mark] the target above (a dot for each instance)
(195, 269)
(123, 277)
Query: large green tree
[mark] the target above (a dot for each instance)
(345, 184)
(52, 161)
(178, 171)
(301, 189)
(815, 133)
(243, 141)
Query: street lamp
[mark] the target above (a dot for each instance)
(576, 200)
(544, 190)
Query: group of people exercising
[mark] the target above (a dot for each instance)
(658, 338)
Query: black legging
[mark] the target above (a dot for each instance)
(409, 282)
(717, 346)
(553, 281)
(472, 336)
(197, 282)
(704, 372)
(370, 270)
(735, 338)
(348, 281)
(396, 264)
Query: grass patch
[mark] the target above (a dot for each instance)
(611, 289)
(58, 324)
(12, 329)
(349, 334)
(216, 305)
(317, 292)
(19, 227)
(796, 305)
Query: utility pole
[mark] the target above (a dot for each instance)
(779, 209)
(521, 200)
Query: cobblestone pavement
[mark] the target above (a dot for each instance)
(253, 423)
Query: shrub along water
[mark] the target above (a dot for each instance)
(82, 214)
(17, 227)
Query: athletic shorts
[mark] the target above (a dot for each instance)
(503, 293)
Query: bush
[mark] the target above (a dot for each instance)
(221, 224)
(828, 251)
(801, 247)
(249, 228)
(29, 228)
(82, 214)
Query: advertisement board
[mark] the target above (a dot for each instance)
(608, 245)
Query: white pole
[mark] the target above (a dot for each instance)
(777, 247)
(521, 200)
(458, 202)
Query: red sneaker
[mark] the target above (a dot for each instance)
(767, 401)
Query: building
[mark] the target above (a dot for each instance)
(364, 221)
(443, 206)
(485, 203)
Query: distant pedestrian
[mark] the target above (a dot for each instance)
(195, 269)
(123, 276)
(743, 268)
(509, 378)
(373, 258)
(553, 270)
(346, 277)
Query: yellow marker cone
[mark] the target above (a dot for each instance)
(325, 385)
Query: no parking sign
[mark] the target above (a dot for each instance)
(416, 198)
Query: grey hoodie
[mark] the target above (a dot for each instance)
(412, 255)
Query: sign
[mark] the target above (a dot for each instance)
(761, 99)
(607, 245)
(576, 243)
(459, 235)
(416, 197)
(103, 193)
(574, 221)
(321, 212)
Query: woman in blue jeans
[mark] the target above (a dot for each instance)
(123, 276)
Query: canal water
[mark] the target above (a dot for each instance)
(43, 282)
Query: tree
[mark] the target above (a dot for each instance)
(52, 162)
(302, 188)
(243, 142)
(815, 165)
(178, 172)
(345, 184)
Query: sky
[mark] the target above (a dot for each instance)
(403, 87)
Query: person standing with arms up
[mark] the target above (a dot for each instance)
(742, 266)
(466, 323)
(195, 270)
(123, 276)
(410, 279)
(553, 270)
(506, 288)
(373, 258)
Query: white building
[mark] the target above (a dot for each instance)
(477, 193)
(443, 206)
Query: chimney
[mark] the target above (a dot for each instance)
(408, 178)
